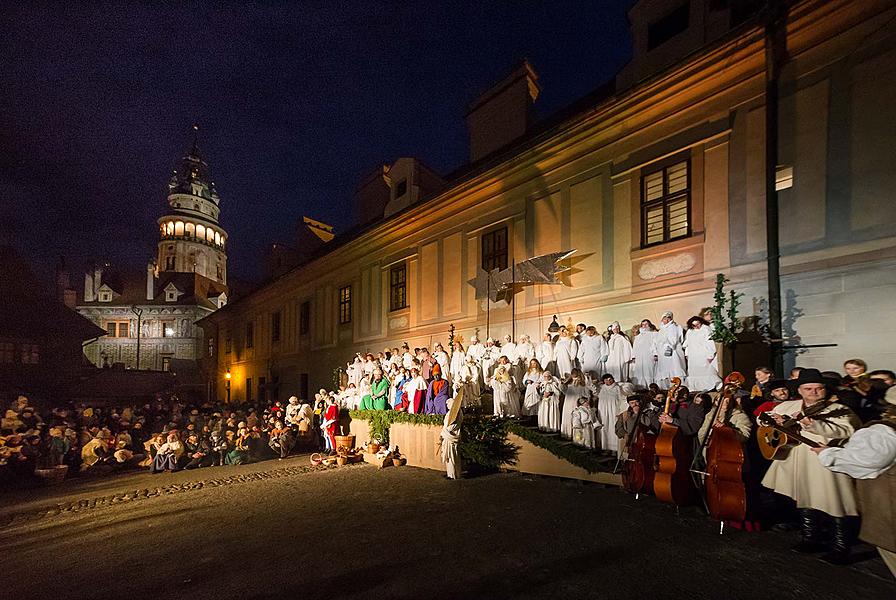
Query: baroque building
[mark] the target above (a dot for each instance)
(154, 312)
(657, 180)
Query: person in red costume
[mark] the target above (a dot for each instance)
(331, 417)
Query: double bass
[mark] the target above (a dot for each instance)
(674, 451)
(638, 471)
(725, 491)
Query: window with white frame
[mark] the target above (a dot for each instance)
(666, 204)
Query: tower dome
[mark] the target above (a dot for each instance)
(190, 238)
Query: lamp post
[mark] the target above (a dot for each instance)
(227, 384)
(139, 312)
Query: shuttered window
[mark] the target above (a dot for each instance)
(666, 204)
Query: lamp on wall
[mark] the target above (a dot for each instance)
(227, 384)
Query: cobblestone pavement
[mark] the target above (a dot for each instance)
(286, 529)
(10, 515)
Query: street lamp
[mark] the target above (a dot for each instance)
(227, 384)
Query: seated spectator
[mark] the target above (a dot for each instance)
(198, 452)
(168, 456)
(239, 454)
(96, 452)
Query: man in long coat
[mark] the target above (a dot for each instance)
(802, 476)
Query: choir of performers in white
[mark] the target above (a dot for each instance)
(575, 380)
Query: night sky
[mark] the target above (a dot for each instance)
(295, 100)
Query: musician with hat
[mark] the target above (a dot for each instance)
(818, 492)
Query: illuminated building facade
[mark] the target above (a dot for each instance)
(658, 182)
(186, 282)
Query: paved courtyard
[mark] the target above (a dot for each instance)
(284, 530)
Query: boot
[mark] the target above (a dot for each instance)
(841, 542)
(811, 533)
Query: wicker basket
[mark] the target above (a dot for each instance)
(345, 441)
(52, 476)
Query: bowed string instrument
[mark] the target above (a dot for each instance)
(673, 453)
(723, 480)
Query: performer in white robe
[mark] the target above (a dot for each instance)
(620, 354)
(643, 369)
(670, 355)
(489, 359)
(530, 388)
(579, 386)
(703, 364)
(546, 355)
(584, 423)
(468, 380)
(355, 371)
(550, 393)
(476, 349)
(407, 359)
(565, 351)
(610, 402)
(450, 439)
(506, 394)
(458, 358)
(593, 353)
(525, 351)
(508, 348)
(442, 357)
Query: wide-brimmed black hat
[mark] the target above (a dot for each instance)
(812, 376)
(775, 384)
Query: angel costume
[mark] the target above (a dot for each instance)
(584, 422)
(610, 402)
(565, 351)
(550, 392)
(547, 357)
(670, 355)
(506, 394)
(620, 357)
(592, 354)
(574, 391)
(643, 369)
(457, 364)
(703, 364)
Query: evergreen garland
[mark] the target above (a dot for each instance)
(560, 448)
(483, 439)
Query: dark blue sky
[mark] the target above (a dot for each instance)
(295, 100)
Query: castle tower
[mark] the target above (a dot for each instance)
(190, 238)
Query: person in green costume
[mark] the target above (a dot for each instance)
(378, 399)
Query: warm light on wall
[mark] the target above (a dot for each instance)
(227, 375)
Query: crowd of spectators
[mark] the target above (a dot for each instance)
(163, 435)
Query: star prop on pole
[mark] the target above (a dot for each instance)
(498, 284)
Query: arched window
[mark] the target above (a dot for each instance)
(200, 232)
(190, 230)
(209, 234)
(217, 238)
(169, 228)
(179, 228)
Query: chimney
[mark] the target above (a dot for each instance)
(89, 296)
(504, 112)
(97, 280)
(150, 280)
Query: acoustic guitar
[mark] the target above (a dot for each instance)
(775, 441)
